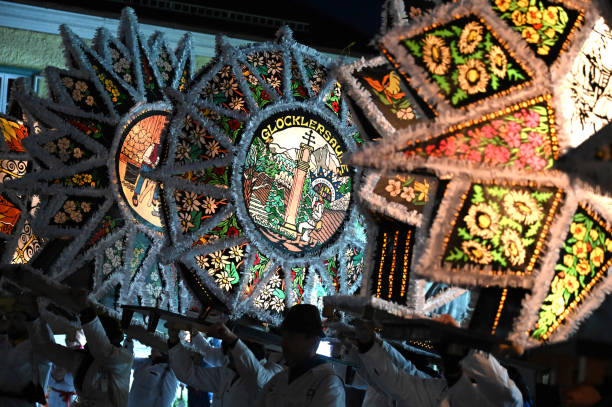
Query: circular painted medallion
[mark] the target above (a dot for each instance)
(138, 154)
(296, 187)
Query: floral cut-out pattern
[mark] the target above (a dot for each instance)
(501, 227)
(517, 137)
(466, 60)
(390, 95)
(543, 24)
(584, 260)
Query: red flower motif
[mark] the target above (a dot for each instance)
(532, 119)
(219, 170)
(488, 131)
(335, 106)
(233, 232)
(234, 124)
(513, 134)
(264, 95)
(448, 146)
(474, 156)
(535, 138)
(257, 259)
(301, 91)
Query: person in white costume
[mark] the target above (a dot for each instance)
(477, 380)
(61, 392)
(22, 371)
(307, 380)
(212, 355)
(154, 383)
(235, 384)
(102, 370)
(312, 223)
(375, 396)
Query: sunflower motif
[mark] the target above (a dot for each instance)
(470, 37)
(482, 220)
(521, 207)
(498, 62)
(513, 246)
(477, 252)
(436, 55)
(473, 77)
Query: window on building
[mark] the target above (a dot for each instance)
(8, 76)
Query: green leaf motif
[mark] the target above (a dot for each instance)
(533, 229)
(456, 255)
(478, 195)
(514, 74)
(505, 221)
(464, 234)
(415, 49)
(443, 83)
(498, 257)
(497, 192)
(458, 96)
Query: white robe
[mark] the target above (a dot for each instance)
(375, 396)
(107, 380)
(154, 385)
(492, 385)
(213, 356)
(317, 387)
(55, 398)
(230, 388)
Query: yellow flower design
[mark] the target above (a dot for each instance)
(473, 77)
(482, 220)
(522, 3)
(597, 256)
(551, 15)
(557, 285)
(518, 18)
(550, 33)
(583, 268)
(422, 188)
(534, 15)
(580, 250)
(477, 252)
(568, 260)
(609, 245)
(578, 231)
(593, 235)
(571, 283)
(470, 37)
(436, 55)
(498, 61)
(530, 35)
(521, 207)
(503, 5)
(543, 49)
(558, 305)
(513, 246)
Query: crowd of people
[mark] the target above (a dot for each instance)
(237, 374)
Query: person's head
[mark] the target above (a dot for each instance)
(75, 339)
(302, 330)
(112, 327)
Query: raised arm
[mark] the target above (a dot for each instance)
(185, 369)
(98, 342)
(249, 367)
(213, 356)
(492, 379)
